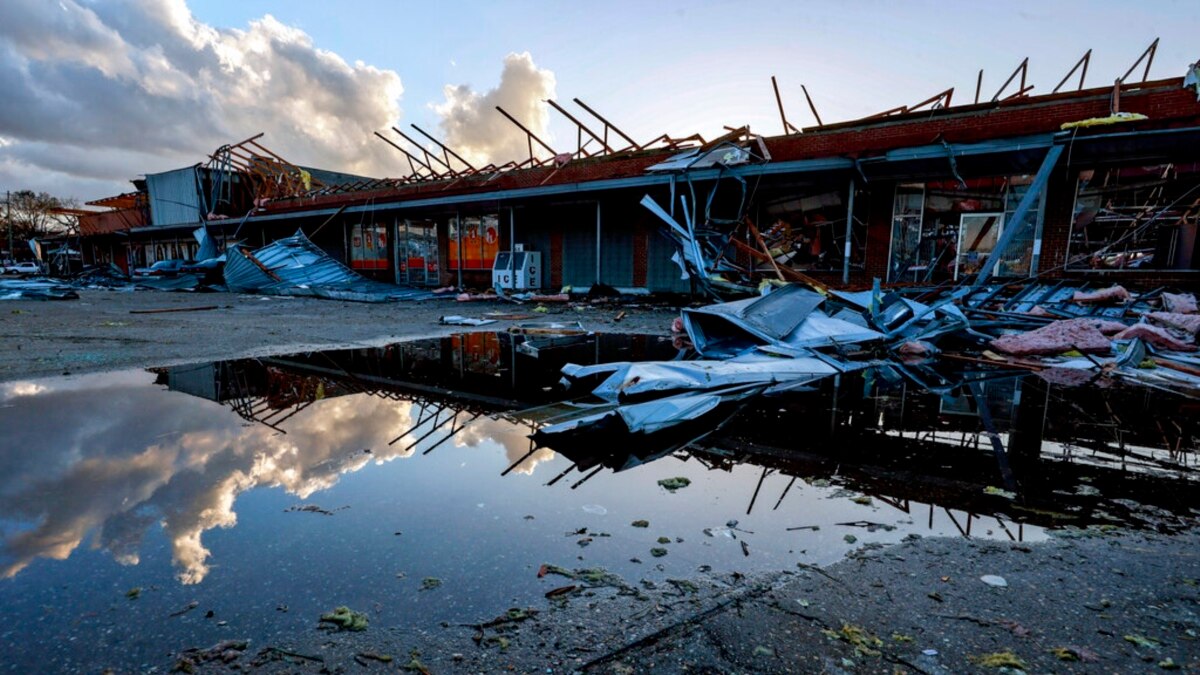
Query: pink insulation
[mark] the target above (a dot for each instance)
(1104, 296)
(1187, 323)
(1156, 337)
(917, 348)
(1058, 337)
(1179, 303)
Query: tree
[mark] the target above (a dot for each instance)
(39, 214)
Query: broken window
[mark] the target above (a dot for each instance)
(1141, 217)
(947, 229)
(807, 230)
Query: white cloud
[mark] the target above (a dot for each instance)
(145, 81)
(475, 129)
(134, 459)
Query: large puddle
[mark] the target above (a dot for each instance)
(142, 512)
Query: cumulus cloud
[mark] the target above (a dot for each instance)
(472, 126)
(514, 439)
(145, 85)
(133, 457)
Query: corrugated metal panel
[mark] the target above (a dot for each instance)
(106, 222)
(662, 275)
(616, 254)
(579, 252)
(334, 177)
(302, 268)
(174, 197)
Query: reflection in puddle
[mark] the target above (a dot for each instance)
(158, 471)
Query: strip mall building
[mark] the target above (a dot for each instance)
(1058, 183)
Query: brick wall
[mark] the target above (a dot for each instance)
(641, 254)
(1164, 102)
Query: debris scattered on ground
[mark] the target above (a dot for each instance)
(296, 266)
(430, 583)
(658, 552)
(11, 289)
(640, 523)
(1005, 659)
(187, 608)
(561, 590)
(314, 508)
(226, 652)
(456, 320)
(1079, 653)
(344, 618)
(673, 484)
(864, 642)
(414, 664)
(363, 657)
(169, 310)
(999, 492)
(1142, 641)
(993, 580)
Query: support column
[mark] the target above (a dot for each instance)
(849, 234)
(597, 281)
(458, 246)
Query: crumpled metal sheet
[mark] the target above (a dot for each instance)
(296, 266)
(787, 317)
(642, 379)
(695, 158)
(208, 247)
(20, 289)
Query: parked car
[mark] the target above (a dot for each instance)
(23, 268)
(211, 270)
(162, 268)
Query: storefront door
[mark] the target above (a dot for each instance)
(977, 236)
(418, 253)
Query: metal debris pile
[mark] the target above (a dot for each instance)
(795, 336)
(296, 266)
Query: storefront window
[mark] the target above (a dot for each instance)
(1131, 218)
(368, 247)
(947, 230)
(474, 241)
(418, 258)
(807, 231)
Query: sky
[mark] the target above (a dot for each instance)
(94, 93)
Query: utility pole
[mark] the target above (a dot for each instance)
(8, 219)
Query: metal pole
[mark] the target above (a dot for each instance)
(597, 243)
(512, 248)
(8, 219)
(458, 247)
(849, 233)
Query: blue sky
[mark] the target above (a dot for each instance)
(97, 92)
(688, 66)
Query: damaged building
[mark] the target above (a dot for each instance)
(1092, 184)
